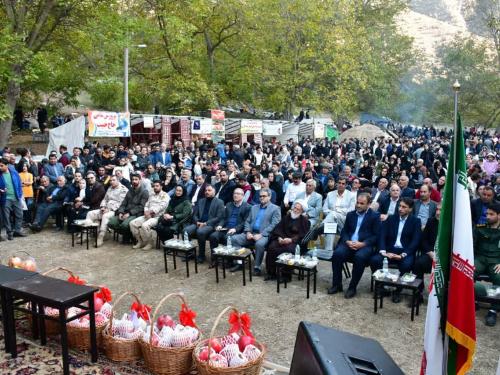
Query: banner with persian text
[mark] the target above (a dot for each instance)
(109, 124)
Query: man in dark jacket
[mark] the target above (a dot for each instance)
(207, 213)
(131, 207)
(224, 188)
(357, 242)
(399, 241)
(479, 206)
(53, 204)
(235, 215)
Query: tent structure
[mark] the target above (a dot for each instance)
(365, 131)
(71, 134)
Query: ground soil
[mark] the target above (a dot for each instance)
(275, 316)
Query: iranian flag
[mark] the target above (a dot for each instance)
(450, 313)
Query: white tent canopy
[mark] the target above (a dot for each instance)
(71, 134)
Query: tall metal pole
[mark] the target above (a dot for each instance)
(456, 89)
(125, 78)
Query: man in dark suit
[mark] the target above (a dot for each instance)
(198, 192)
(224, 188)
(405, 190)
(379, 193)
(235, 215)
(390, 205)
(206, 214)
(356, 244)
(399, 240)
(424, 208)
(479, 206)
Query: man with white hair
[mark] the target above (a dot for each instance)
(287, 235)
(314, 201)
(112, 200)
(141, 227)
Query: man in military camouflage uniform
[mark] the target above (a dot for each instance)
(487, 255)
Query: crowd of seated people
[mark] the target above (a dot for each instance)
(383, 197)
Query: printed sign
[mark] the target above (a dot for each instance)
(271, 129)
(203, 126)
(109, 124)
(148, 122)
(330, 228)
(251, 126)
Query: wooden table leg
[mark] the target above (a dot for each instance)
(187, 262)
(314, 280)
(41, 322)
(11, 321)
(174, 253)
(96, 233)
(195, 261)
(72, 239)
(34, 321)
(165, 259)
(216, 261)
(375, 298)
(308, 282)
(244, 276)
(249, 267)
(64, 340)
(278, 274)
(93, 334)
(413, 305)
(5, 321)
(87, 234)
(223, 267)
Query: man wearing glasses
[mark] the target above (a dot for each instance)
(258, 226)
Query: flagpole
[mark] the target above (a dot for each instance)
(456, 89)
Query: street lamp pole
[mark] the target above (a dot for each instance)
(125, 79)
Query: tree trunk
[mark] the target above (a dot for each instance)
(11, 98)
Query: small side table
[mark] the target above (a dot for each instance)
(85, 228)
(245, 257)
(302, 269)
(175, 248)
(42, 291)
(414, 287)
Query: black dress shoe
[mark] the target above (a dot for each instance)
(396, 297)
(270, 277)
(236, 268)
(335, 289)
(10, 237)
(200, 260)
(491, 319)
(256, 272)
(350, 293)
(20, 234)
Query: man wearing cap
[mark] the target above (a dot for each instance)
(294, 189)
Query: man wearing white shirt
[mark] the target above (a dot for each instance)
(294, 189)
(336, 206)
(198, 191)
(390, 205)
(313, 200)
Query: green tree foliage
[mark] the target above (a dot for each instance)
(334, 56)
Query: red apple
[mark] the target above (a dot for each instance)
(244, 341)
(165, 320)
(98, 302)
(215, 345)
(203, 355)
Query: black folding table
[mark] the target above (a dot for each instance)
(42, 291)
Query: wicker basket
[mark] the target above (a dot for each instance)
(250, 368)
(79, 337)
(117, 348)
(167, 361)
(51, 326)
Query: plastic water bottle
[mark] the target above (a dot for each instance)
(315, 253)
(385, 266)
(186, 237)
(297, 253)
(229, 244)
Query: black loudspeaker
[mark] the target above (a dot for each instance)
(321, 350)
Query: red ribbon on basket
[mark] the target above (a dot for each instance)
(187, 316)
(104, 294)
(143, 311)
(76, 280)
(240, 322)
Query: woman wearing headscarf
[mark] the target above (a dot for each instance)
(177, 213)
(287, 235)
